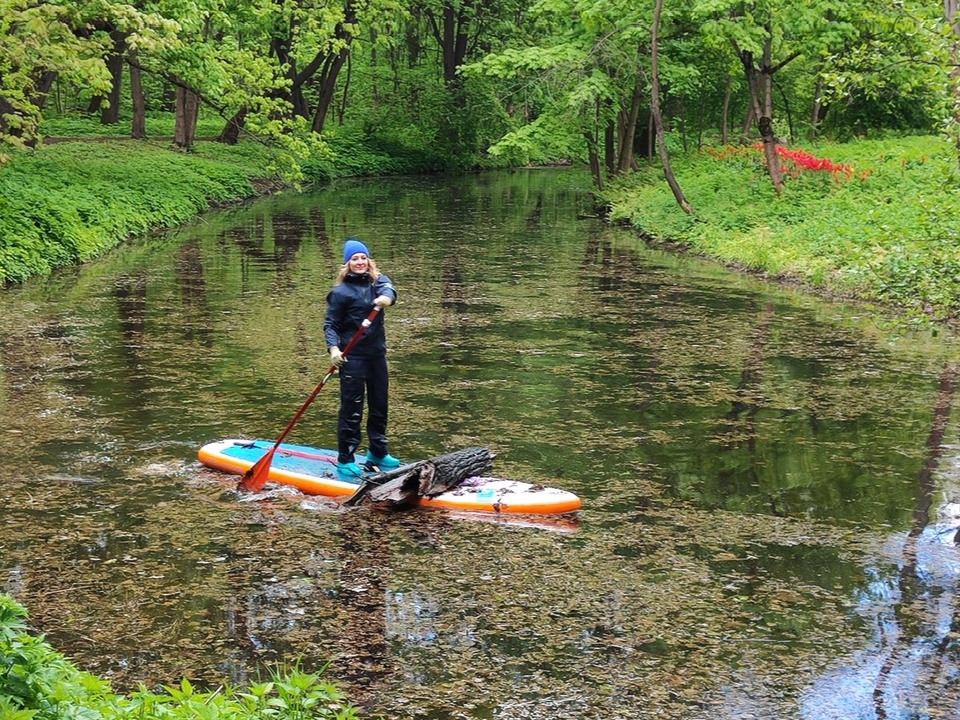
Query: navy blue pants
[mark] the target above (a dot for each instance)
(359, 376)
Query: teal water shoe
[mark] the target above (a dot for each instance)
(387, 462)
(348, 471)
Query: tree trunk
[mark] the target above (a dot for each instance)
(786, 108)
(342, 110)
(683, 126)
(451, 32)
(413, 43)
(328, 85)
(453, 39)
(330, 65)
(651, 135)
(700, 114)
(761, 98)
(655, 112)
(185, 121)
(815, 116)
(110, 112)
(138, 127)
(610, 147)
(747, 121)
(281, 48)
(630, 126)
(447, 43)
(405, 485)
(725, 115)
(374, 84)
(594, 156)
(41, 88)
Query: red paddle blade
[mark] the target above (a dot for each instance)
(256, 477)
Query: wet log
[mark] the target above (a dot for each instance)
(403, 486)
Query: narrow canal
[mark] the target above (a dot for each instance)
(771, 482)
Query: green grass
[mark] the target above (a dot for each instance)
(91, 187)
(890, 233)
(38, 683)
(157, 126)
(70, 202)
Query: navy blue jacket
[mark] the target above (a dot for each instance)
(348, 305)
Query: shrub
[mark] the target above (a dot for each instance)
(877, 220)
(38, 683)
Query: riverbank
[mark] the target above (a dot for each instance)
(72, 201)
(872, 220)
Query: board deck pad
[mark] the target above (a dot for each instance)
(314, 471)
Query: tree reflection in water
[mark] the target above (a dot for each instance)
(911, 669)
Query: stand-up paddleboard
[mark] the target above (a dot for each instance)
(314, 472)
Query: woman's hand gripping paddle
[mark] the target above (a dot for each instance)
(256, 477)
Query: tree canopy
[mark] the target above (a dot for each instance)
(468, 79)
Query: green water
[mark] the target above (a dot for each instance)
(766, 476)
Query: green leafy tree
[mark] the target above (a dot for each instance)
(43, 42)
(766, 36)
(456, 32)
(888, 75)
(582, 71)
(298, 49)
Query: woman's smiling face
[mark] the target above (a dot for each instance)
(358, 263)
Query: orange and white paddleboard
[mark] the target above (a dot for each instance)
(314, 472)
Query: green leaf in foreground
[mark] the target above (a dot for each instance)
(38, 683)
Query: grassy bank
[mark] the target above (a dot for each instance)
(72, 200)
(38, 683)
(877, 220)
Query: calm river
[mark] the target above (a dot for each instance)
(771, 483)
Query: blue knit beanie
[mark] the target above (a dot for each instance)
(353, 246)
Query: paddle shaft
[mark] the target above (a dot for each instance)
(256, 477)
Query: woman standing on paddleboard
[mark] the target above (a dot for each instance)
(358, 288)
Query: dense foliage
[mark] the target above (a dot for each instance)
(75, 200)
(38, 683)
(531, 81)
(306, 91)
(874, 219)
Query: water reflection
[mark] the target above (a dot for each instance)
(911, 666)
(758, 468)
(363, 593)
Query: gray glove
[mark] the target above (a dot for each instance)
(383, 301)
(337, 358)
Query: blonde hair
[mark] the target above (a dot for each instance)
(371, 271)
